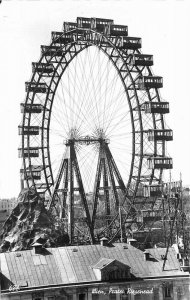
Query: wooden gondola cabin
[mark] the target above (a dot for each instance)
(147, 82)
(62, 38)
(83, 22)
(32, 172)
(127, 42)
(152, 215)
(31, 108)
(29, 152)
(116, 30)
(52, 51)
(28, 130)
(160, 163)
(99, 24)
(142, 60)
(160, 135)
(35, 87)
(155, 107)
(67, 26)
(152, 190)
(42, 68)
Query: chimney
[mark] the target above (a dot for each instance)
(146, 255)
(37, 248)
(132, 242)
(104, 241)
(185, 265)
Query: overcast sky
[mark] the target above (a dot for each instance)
(164, 28)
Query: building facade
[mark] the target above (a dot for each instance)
(93, 272)
(6, 206)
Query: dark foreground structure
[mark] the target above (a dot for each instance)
(119, 271)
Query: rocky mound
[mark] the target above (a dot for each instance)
(30, 222)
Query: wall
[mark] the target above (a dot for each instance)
(180, 290)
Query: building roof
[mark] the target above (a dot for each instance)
(73, 264)
(102, 263)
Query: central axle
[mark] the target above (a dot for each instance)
(87, 140)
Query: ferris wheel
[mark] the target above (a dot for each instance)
(93, 134)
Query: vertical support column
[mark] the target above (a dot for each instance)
(97, 185)
(82, 194)
(170, 222)
(75, 296)
(65, 189)
(106, 191)
(118, 297)
(131, 296)
(89, 294)
(175, 293)
(161, 293)
(121, 223)
(112, 182)
(62, 169)
(164, 223)
(71, 199)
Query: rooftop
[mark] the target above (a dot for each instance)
(74, 264)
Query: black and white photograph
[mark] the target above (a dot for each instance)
(95, 150)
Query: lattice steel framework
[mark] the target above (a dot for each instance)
(145, 112)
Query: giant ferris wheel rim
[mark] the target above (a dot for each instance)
(121, 53)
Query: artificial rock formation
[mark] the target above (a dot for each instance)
(30, 222)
